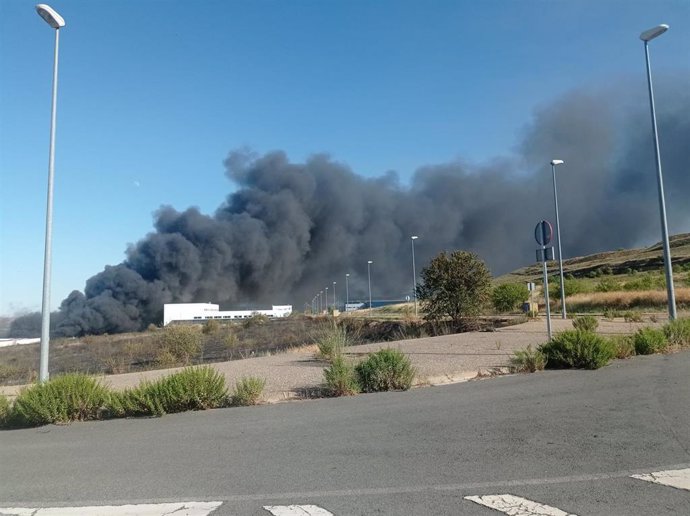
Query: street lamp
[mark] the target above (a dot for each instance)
(369, 276)
(414, 275)
(57, 22)
(347, 291)
(320, 301)
(555, 162)
(647, 36)
(326, 299)
(334, 302)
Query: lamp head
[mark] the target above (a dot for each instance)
(414, 237)
(370, 261)
(50, 15)
(652, 33)
(555, 162)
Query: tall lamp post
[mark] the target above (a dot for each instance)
(334, 301)
(369, 276)
(414, 275)
(325, 296)
(647, 36)
(56, 21)
(555, 162)
(347, 291)
(320, 301)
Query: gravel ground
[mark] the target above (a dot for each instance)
(445, 359)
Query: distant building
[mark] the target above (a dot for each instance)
(204, 311)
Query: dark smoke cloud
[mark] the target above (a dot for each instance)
(291, 229)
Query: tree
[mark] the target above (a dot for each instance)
(509, 296)
(454, 285)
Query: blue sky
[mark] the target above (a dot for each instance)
(154, 94)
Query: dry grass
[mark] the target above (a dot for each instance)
(626, 300)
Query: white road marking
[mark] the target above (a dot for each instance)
(297, 510)
(679, 478)
(144, 509)
(516, 506)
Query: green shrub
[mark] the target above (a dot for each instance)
(509, 296)
(341, 379)
(649, 340)
(578, 349)
(528, 361)
(611, 313)
(678, 332)
(248, 391)
(385, 370)
(183, 342)
(606, 285)
(586, 323)
(572, 286)
(193, 388)
(5, 408)
(70, 397)
(623, 346)
(331, 340)
(631, 316)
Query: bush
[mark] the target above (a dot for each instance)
(193, 388)
(586, 323)
(509, 296)
(183, 342)
(331, 340)
(5, 408)
(606, 285)
(678, 332)
(572, 286)
(454, 286)
(341, 379)
(610, 313)
(255, 320)
(248, 391)
(71, 397)
(578, 349)
(210, 327)
(631, 316)
(528, 361)
(623, 346)
(385, 370)
(649, 340)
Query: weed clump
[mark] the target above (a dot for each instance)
(193, 388)
(5, 408)
(649, 340)
(528, 361)
(341, 378)
(179, 344)
(66, 398)
(586, 323)
(578, 349)
(677, 332)
(248, 391)
(331, 340)
(385, 370)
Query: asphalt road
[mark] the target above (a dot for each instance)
(569, 439)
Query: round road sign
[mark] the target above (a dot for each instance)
(543, 232)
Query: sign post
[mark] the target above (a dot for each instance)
(543, 233)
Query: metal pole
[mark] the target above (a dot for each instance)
(414, 277)
(47, 258)
(334, 301)
(326, 298)
(662, 204)
(347, 291)
(369, 275)
(560, 252)
(546, 297)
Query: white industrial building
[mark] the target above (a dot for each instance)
(204, 311)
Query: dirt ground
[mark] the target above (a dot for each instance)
(438, 360)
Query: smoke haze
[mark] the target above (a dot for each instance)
(291, 229)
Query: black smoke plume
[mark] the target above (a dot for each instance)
(290, 229)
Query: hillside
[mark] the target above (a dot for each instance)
(622, 261)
